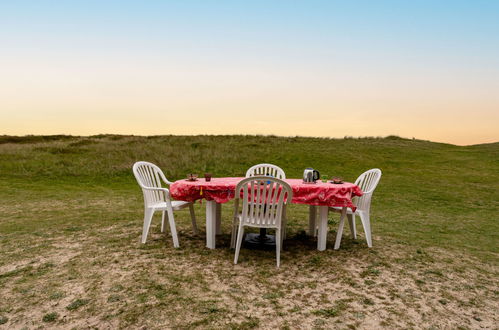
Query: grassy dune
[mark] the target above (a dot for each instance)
(71, 221)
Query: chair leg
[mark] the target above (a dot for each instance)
(340, 231)
(148, 213)
(239, 242)
(278, 245)
(283, 236)
(173, 229)
(351, 222)
(163, 216)
(233, 233)
(284, 225)
(366, 223)
(193, 219)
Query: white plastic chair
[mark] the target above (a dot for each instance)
(266, 169)
(263, 203)
(157, 198)
(261, 170)
(367, 181)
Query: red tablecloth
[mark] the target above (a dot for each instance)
(221, 190)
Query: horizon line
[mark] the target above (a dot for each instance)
(346, 137)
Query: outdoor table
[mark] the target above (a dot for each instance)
(221, 190)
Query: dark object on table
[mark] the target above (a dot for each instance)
(192, 177)
(337, 180)
(207, 177)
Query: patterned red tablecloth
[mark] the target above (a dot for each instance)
(221, 190)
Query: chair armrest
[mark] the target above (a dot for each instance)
(166, 191)
(165, 180)
(163, 177)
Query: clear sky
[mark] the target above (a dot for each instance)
(424, 69)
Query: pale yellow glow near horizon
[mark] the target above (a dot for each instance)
(151, 98)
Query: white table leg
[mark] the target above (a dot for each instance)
(211, 214)
(322, 237)
(312, 212)
(219, 219)
(340, 228)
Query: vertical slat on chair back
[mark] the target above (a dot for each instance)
(266, 170)
(263, 200)
(367, 181)
(147, 174)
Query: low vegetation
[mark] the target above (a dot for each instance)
(71, 218)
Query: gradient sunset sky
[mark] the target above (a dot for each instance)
(423, 69)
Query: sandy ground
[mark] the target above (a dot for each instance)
(118, 283)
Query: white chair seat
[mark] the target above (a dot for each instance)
(339, 209)
(176, 205)
(349, 210)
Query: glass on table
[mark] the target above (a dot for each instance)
(207, 177)
(324, 178)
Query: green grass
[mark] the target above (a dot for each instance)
(76, 304)
(71, 211)
(50, 317)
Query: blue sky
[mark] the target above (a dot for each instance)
(366, 67)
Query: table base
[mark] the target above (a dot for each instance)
(259, 241)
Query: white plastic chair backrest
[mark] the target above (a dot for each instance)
(367, 182)
(149, 175)
(266, 169)
(263, 198)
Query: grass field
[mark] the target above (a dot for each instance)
(71, 220)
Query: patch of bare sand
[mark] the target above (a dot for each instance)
(60, 254)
